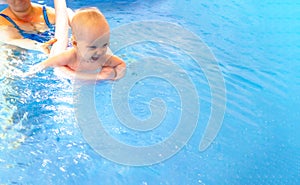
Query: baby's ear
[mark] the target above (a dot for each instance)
(74, 43)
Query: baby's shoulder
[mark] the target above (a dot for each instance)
(70, 53)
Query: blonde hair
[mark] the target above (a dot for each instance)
(86, 19)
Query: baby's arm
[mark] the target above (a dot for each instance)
(61, 59)
(113, 69)
(107, 73)
(117, 65)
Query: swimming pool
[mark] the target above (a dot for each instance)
(256, 45)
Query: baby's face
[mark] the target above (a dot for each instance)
(93, 45)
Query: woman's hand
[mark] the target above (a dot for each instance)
(46, 46)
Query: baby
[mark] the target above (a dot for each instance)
(89, 58)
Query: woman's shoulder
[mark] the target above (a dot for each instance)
(3, 20)
(50, 11)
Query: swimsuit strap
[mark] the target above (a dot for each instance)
(12, 22)
(19, 29)
(46, 17)
(40, 37)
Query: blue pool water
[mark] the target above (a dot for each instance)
(256, 45)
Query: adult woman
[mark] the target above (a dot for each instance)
(27, 25)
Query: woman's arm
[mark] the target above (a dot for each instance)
(61, 27)
(11, 36)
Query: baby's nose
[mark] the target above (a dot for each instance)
(101, 51)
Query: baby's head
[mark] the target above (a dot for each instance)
(90, 32)
(87, 21)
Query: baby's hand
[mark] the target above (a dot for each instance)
(107, 73)
(17, 72)
(33, 70)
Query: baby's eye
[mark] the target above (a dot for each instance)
(92, 47)
(105, 45)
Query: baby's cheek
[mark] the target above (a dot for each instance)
(88, 54)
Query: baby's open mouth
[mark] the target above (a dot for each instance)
(94, 58)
